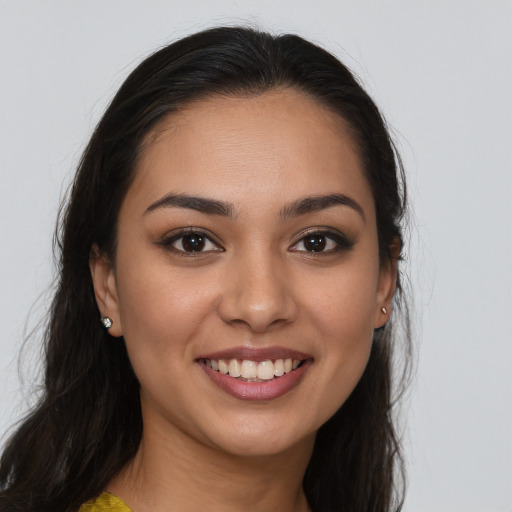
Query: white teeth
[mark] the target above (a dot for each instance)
(249, 369)
(266, 370)
(234, 368)
(223, 367)
(253, 370)
(279, 368)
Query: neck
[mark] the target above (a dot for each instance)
(192, 476)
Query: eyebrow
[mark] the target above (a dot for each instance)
(317, 203)
(200, 204)
(300, 207)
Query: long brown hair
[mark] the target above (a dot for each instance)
(87, 424)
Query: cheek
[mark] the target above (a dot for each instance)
(343, 303)
(342, 310)
(160, 308)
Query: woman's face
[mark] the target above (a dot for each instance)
(247, 244)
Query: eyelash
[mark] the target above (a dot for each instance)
(169, 242)
(341, 242)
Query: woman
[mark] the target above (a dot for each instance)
(235, 225)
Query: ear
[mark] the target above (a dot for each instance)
(388, 277)
(105, 289)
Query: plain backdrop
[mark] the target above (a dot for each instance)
(440, 71)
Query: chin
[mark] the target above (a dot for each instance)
(263, 445)
(260, 437)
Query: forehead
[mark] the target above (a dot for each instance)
(280, 144)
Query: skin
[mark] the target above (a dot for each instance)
(255, 285)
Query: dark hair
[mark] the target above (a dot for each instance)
(87, 424)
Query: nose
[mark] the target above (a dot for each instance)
(257, 293)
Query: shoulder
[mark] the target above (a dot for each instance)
(105, 502)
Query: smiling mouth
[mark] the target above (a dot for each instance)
(253, 371)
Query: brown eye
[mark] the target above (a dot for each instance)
(322, 242)
(315, 243)
(194, 242)
(190, 242)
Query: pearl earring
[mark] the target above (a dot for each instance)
(106, 322)
(384, 310)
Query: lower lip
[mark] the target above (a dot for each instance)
(258, 391)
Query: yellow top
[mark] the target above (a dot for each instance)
(105, 502)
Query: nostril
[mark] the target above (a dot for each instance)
(255, 293)
(258, 317)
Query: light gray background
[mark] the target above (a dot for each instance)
(441, 72)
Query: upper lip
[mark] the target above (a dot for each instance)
(256, 354)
